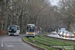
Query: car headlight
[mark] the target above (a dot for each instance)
(64, 34)
(67, 35)
(72, 34)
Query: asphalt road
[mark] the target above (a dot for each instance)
(14, 43)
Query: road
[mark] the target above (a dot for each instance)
(14, 43)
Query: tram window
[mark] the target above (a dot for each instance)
(32, 30)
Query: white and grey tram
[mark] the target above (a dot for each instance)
(13, 30)
(31, 30)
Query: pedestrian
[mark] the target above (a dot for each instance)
(3, 32)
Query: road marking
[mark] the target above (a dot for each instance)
(2, 42)
(9, 45)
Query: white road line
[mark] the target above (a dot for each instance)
(2, 42)
(9, 45)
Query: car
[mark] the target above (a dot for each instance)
(65, 33)
(60, 32)
(54, 33)
(69, 34)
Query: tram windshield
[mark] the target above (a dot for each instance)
(12, 29)
(30, 29)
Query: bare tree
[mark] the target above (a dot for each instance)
(1, 15)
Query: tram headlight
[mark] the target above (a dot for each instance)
(26, 32)
(33, 33)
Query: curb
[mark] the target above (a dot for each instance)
(35, 46)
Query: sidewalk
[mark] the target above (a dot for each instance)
(60, 37)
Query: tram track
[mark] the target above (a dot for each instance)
(57, 44)
(52, 40)
(45, 44)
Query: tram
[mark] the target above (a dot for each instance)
(13, 30)
(31, 30)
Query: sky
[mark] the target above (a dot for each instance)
(54, 2)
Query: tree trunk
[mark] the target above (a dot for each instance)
(1, 15)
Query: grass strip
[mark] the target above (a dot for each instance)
(45, 40)
(40, 45)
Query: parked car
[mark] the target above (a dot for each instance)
(69, 34)
(54, 33)
(65, 33)
(60, 32)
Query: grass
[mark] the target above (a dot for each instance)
(67, 45)
(61, 42)
(40, 45)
